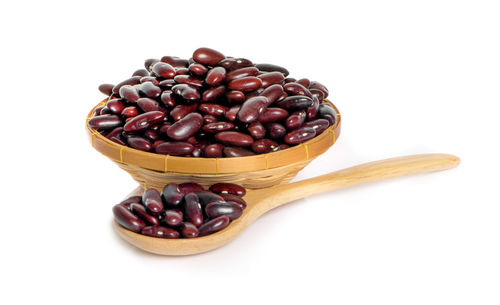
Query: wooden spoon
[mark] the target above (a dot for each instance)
(262, 200)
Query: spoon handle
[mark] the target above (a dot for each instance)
(364, 173)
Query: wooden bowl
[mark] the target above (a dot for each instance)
(259, 171)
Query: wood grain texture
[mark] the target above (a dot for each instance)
(262, 200)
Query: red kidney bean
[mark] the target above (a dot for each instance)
(141, 73)
(290, 80)
(156, 143)
(175, 61)
(257, 130)
(129, 93)
(304, 82)
(254, 93)
(127, 202)
(319, 86)
(141, 212)
(213, 93)
(271, 78)
(164, 128)
(172, 218)
(105, 110)
(252, 108)
(207, 119)
(139, 142)
(296, 89)
(275, 130)
(318, 125)
(234, 198)
(115, 133)
(206, 197)
(312, 110)
(207, 56)
(174, 148)
(217, 127)
(118, 141)
(273, 115)
(149, 79)
(295, 120)
(151, 135)
(172, 194)
(235, 97)
(105, 121)
(188, 80)
(232, 113)
(227, 63)
(148, 63)
(228, 188)
(230, 209)
(234, 138)
(127, 219)
(97, 111)
(215, 76)
(299, 135)
(192, 140)
(129, 81)
(186, 92)
(264, 146)
(318, 93)
(160, 232)
(193, 210)
(115, 105)
(213, 150)
(189, 187)
(198, 69)
(150, 90)
(167, 99)
(151, 199)
(296, 102)
(147, 104)
(272, 68)
(213, 109)
(272, 93)
(164, 70)
(106, 89)
(245, 84)
(232, 152)
(181, 111)
(182, 71)
(189, 230)
(214, 225)
(242, 72)
(241, 63)
(144, 121)
(167, 83)
(185, 127)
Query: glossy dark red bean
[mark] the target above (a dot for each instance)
(144, 121)
(175, 61)
(192, 207)
(167, 84)
(116, 132)
(235, 97)
(207, 56)
(106, 121)
(272, 93)
(163, 70)
(214, 225)
(227, 63)
(128, 201)
(172, 195)
(148, 63)
(106, 89)
(164, 128)
(172, 218)
(217, 127)
(273, 115)
(141, 72)
(318, 93)
(252, 108)
(148, 104)
(295, 102)
(234, 138)
(275, 130)
(241, 63)
(150, 90)
(254, 93)
(139, 142)
(271, 78)
(290, 80)
(160, 232)
(318, 125)
(105, 110)
(118, 141)
(185, 127)
(127, 219)
(215, 76)
(130, 93)
(312, 110)
(189, 230)
(304, 82)
(212, 109)
(115, 105)
(257, 130)
(129, 81)
(213, 150)
(299, 135)
(140, 211)
(234, 198)
(272, 68)
(186, 92)
(174, 148)
(245, 84)
(264, 146)
(213, 93)
(207, 119)
(151, 199)
(229, 209)
(233, 152)
(228, 188)
(297, 89)
(198, 69)
(97, 110)
(319, 86)
(296, 119)
(182, 71)
(189, 187)
(243, 72)
(151, 135)
(232, 113)
(149, 79)
(156, 143)
(206, 197)
(189, 80)
(181, 111)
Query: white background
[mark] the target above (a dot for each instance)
(408, 76)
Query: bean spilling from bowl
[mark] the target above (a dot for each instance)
(183, 210)
(212, 106)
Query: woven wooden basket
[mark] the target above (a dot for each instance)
(259, 171)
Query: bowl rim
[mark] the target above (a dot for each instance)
(196, 165)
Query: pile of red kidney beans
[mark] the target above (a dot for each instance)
(212, 106)
(181, 210)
